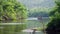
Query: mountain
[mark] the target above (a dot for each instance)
(37, 3)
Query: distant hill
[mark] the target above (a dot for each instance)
(37, 3)
(32, 4)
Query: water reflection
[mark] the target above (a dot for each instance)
(8, 27)
(14, 21)
(16, 29)
(31, 33)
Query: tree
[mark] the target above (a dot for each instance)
(36, 12)
(53, 27)
(12, 9)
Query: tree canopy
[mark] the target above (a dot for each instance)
(53, 27)
(12, 9)
(40, 11)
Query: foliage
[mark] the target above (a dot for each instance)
(52, 11)
(53, 27)
(35, 12)
(11, 9)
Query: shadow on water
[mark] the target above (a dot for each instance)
(14, 21)
(8, 27)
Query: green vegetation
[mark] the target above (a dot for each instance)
(41, 11)
(53, 27)
(12, 9)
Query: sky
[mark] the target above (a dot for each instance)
(37, 3)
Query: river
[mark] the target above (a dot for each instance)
(33, 23)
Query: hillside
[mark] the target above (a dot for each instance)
(37, 3)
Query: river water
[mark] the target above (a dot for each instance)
(30, 24)
(34, 23)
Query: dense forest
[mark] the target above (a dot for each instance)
(53, 27)
(41, 11)
(12, 9)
